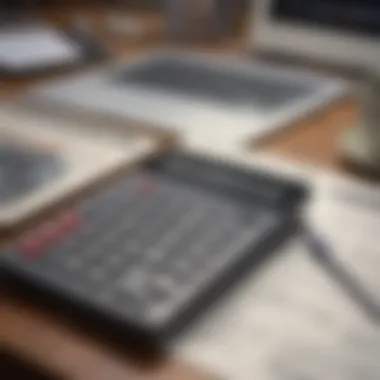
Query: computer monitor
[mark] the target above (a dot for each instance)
(335, 31)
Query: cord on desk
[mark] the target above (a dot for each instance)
(325, 257)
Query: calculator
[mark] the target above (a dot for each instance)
(143, 258)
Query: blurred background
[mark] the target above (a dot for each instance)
(216, 18)
(326, 124)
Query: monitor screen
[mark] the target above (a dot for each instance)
(356, 16)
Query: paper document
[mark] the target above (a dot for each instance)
(346, 215)
(34, 47)
(294, 319)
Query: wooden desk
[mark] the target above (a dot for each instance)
(317, 138)
(44, 338)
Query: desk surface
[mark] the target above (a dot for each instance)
(47, 340)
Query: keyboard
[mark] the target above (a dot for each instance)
(216, 84)
(148, 254)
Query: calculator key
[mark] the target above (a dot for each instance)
(182, 266)
(32, 246)
(97, 274)
(148, 185)
(51, 232)
(114, 260)
(155, 255)
(134, 281)
(70, 221)
(74, 263)
(156, 313)
(42, 238)
(164, 283)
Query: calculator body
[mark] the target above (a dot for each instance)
(144, 257)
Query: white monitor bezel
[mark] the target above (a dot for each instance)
(343, 48)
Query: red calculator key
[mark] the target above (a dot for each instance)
(32, 246)
(51, 232)
(70, 221)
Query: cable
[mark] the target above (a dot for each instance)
(326, 257)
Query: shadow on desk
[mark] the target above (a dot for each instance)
(13, 366)
(57, 346)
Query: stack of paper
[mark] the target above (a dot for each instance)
(296, 319)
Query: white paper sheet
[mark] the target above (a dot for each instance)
(30, 48)
(293, 321)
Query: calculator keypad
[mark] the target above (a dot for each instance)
(146, 246)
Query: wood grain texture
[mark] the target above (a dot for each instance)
(317, 138)
(45, 339)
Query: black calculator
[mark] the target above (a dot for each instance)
(147, 255)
